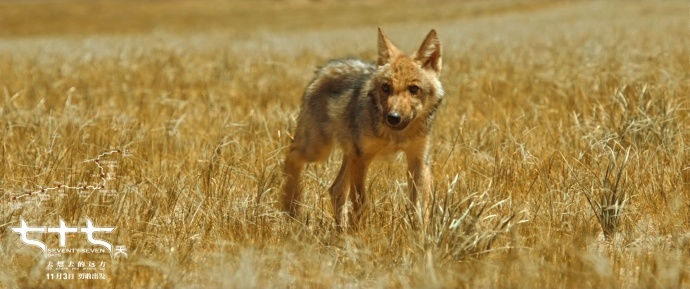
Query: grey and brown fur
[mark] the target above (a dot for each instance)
(368, 110)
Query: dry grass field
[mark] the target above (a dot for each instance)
(561, 153)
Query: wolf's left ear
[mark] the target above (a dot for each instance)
(429, 54)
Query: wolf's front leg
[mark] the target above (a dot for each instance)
(419, 181)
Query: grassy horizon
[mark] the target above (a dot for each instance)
(561, 153)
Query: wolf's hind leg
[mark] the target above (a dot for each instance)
(339, 194)
(358, 172)
(308, 146)
(291, 192)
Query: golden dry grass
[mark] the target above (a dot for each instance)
(548, 104)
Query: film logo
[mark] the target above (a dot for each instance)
(62, 231)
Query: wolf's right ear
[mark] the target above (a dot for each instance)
(387, 50)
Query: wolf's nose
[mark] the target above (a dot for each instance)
(393, 118)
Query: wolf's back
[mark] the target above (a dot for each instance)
(339, 77)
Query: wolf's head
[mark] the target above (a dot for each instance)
(407, 87)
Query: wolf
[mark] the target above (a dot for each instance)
(369, 110)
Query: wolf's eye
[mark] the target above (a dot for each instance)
(413, 89)
(386, 88)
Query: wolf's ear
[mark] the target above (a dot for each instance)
(429, 54)
(387, 50)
